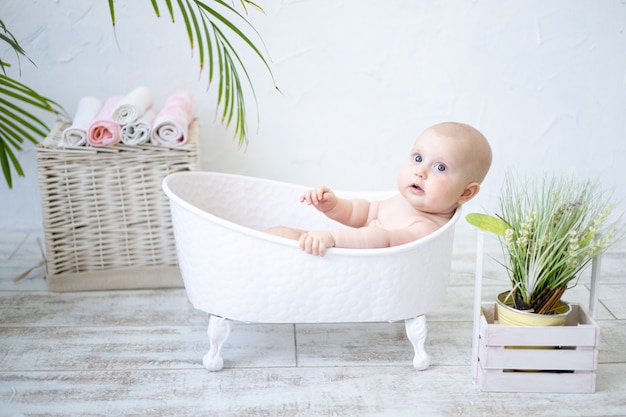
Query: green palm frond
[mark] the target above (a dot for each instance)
(212, 26)
(8, 38)
(18, 123)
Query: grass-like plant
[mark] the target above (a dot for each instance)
(550, 229)
(214, 27)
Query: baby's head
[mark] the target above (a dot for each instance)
(445, 168)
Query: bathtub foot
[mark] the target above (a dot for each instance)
(416, 331)
(218, 330)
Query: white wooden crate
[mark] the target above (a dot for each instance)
(551, 359)
(567, 365)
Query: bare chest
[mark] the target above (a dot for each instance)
(395, 215)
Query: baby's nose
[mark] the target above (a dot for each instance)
(420, 172)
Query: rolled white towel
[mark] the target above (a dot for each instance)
(86, 112)
(138, 132)
(171, 125)
(133, 105)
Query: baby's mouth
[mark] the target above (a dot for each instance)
(417, 188)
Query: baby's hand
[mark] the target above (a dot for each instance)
(322, 198)
(316, 243)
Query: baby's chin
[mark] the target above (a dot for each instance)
(438, 208)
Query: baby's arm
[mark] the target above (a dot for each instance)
(353, 213)
(378, 237)
(316, 242)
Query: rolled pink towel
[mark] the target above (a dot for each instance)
(171, 125)
(104, 131)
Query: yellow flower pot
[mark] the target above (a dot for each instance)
(509, 316)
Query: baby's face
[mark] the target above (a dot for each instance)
(434, 176)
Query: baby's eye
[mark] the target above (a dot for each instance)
(417, 158)
(440, 167)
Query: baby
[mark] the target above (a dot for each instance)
(445, 168)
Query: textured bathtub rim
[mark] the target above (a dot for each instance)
(284, 241)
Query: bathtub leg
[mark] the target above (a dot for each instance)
(218, 330)
(416, 332)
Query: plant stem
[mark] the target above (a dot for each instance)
(550, 303)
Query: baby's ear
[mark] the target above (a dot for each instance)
(470, 192)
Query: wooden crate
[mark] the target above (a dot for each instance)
(537, 359)
(107, 221)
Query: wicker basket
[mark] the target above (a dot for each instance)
(106, 219)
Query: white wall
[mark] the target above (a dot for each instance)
(544, 80)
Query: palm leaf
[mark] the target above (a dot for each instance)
(25, 94)
(236, 30)
(234, 85)
(187, 23)
(196, 27)
(6, 165)
(22, 116)
(201, 22)
(210, 45)
(253, 4)
(112, 12)
(11, 138)
(15, 134)
(220, 65)
(155, 6)
(18, 124)
(9, 39)
(170, 9)
(222, 54)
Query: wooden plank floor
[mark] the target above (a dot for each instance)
(138, 353)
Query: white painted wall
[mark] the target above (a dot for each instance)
(544, 80)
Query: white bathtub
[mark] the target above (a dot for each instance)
(234, 271)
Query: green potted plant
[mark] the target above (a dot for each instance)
(550, 229)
